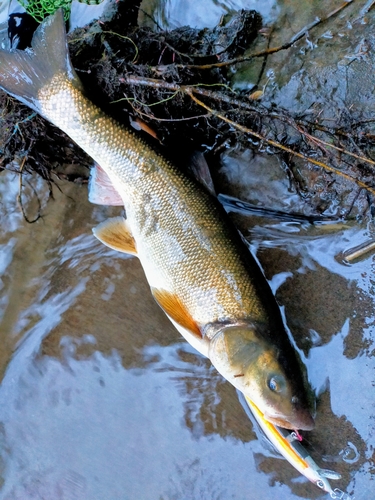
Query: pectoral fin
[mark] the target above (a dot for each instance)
(116, 234)
(173, 307)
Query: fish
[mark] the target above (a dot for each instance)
(289, 445)
(199, 269)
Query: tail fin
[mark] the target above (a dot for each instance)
(24, 73)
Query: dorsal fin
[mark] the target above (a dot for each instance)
(116, 234)
(199, 169)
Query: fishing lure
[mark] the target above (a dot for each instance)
(289, 445)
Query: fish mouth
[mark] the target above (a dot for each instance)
(302, 421)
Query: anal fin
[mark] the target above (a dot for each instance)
(116, 234)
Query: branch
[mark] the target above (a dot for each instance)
(280, 146)
(192, 89)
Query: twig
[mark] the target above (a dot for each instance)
(152, 117)
(161, 84)
(125, 38)
(264, 62)
(20, 195)
(230, 62)
(320, 141)
(134, 99)
(188, 89)
(369, 5)
(278, 145)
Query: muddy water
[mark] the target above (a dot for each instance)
(100, 398)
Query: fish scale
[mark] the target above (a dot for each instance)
(199, 270)
(208, 274)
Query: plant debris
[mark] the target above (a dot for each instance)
(176, 84)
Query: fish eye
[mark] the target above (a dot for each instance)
(275, 384)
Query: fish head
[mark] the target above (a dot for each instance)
(253, 366)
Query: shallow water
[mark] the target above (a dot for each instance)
(100, 397)
(170, 14)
